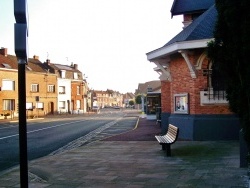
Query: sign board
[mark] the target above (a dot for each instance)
(21, 30)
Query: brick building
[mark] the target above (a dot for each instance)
(41, 96)
(107, 98)
(41, 92)
(50, 88)
(8, 86)
(191, 97)
(72, 88)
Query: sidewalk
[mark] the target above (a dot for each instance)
(126, 161)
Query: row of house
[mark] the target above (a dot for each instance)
(108, 98)
(192, 93)
(50, 88)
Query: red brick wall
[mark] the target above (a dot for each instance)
(182, 82)
(75, 96)
(165, 97)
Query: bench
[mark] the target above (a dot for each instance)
(169, 138)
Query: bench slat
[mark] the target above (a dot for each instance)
(169, 138)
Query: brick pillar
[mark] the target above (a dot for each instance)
(165, 97)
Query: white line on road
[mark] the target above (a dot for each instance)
(14, 135)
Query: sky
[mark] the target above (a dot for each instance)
(107, 39)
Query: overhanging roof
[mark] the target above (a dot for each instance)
(175, 47)
(190, 6)
(196, 35)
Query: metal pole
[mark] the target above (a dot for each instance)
(142, 103)
(21, 50)
(22, 126)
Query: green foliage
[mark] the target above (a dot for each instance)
(229, 53)
(138, 99)
(131, 103)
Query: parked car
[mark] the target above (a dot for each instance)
(95, 108)
(116, 107)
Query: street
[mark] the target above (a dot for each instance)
(45, 136)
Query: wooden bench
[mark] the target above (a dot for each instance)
(169, 138)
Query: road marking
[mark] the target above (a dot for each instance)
(81, 140)
(9, 136)
(37, 130)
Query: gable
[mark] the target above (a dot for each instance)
(201, 28)
(195, 35)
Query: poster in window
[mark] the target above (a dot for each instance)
(181, 103)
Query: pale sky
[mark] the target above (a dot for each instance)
(108, 39)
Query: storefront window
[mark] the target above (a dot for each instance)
(153, 102)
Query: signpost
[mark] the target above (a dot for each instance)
(21, 50)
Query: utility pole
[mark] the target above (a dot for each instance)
(21, 50)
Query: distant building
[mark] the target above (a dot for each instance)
(152, 91)
(128, 97)
(107, 98)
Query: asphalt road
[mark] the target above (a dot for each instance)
(48, 135)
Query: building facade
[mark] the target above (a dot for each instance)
(50, 88)
(191, 98)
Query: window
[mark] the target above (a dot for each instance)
(215, 82)
(29, 106)
(78, 90)
(63, 73)
(8, 85)
(51, 88)
(34, 87)
(61, 89)
(75, 75)
(78, 104)
(39, 105)
(8, 104)
(61, 104)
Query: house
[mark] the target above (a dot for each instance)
(107, 98)
(41, 85)
(128, 97)
(116, 98)
(101, 98)
(8, 86)
(41, 96)
(192, 94)
(71, 86)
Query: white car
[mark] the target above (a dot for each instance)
(95, 108)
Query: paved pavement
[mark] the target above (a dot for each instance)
(135, 163)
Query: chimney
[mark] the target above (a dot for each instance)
(3, 51)
(47, 62)
(36, 57)
(76, 66)
(187, 19)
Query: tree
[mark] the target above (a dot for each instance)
(138, 99)
(131, 103)
(229, 52)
